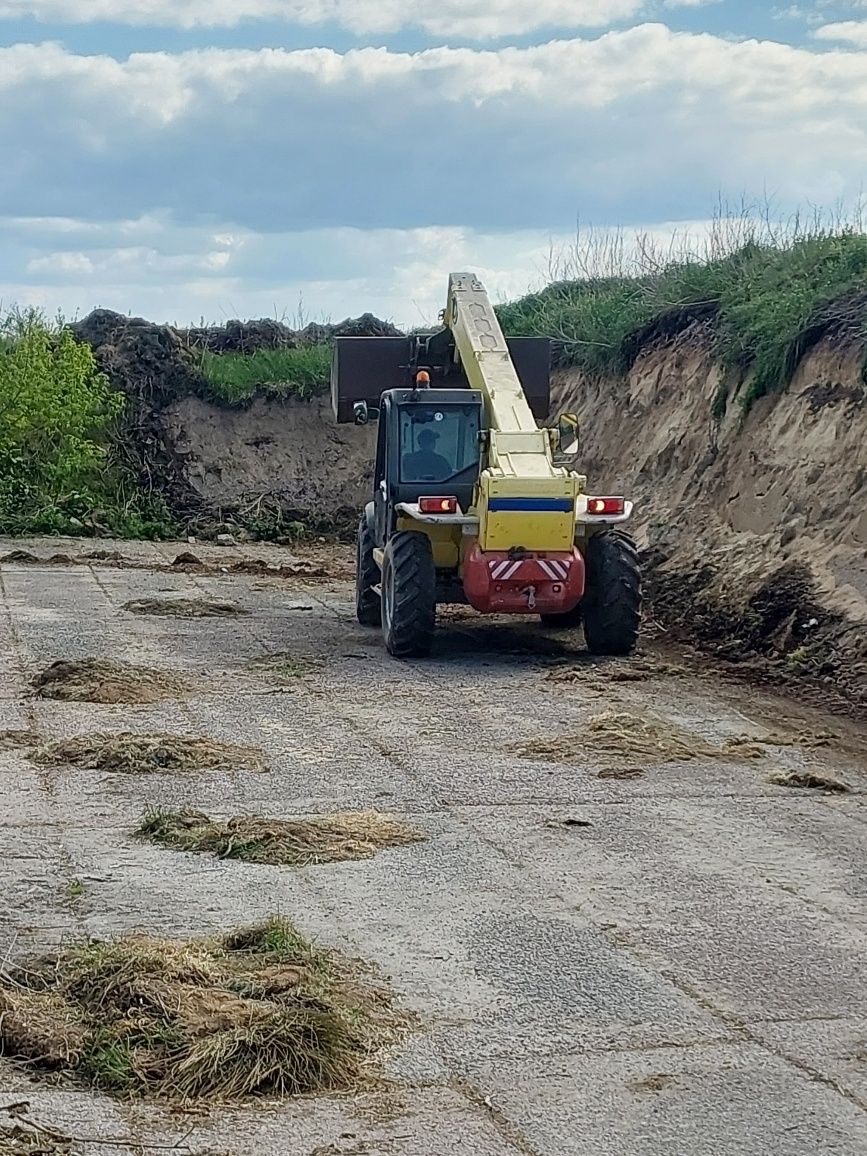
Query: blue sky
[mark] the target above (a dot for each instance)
(213, 158)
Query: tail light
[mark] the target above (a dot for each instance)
(438, 505)
(606, 505)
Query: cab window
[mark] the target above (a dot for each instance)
(437, 443)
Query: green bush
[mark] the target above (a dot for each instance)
(58, 416)
(302, 372)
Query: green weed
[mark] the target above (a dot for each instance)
(301, 372)
(767, 293)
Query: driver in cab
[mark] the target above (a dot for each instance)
(426, 464)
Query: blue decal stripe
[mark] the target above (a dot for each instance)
(533, 505)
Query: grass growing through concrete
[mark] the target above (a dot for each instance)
(98, 680)
(138, 754)
(259, 1012)
(301, 372)
(297, 843)
(768, 290)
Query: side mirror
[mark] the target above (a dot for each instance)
(567, 428)
(363, 413)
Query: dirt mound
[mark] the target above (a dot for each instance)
(260, 1012)
(299, 842)
(97, 680)
(139, 754)
(266, 333)
(185, 608)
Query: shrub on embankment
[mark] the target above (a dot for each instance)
(58, 422)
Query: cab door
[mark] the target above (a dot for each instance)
(382, 500)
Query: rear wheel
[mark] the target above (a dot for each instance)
(612, 603)
(368, 606)
(408, 595)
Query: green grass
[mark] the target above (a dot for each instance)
(234, 377)
(768, 294)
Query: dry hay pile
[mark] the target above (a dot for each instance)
(611, 670)
(10, 740)
(96, 680)
(21, 558)
(185, 608)
(619, 735)
(259, 1012)
(811, 781)
(138, 754)
(300, 842)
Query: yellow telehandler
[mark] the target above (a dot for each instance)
(470, 504)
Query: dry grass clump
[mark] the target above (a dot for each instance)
(10, 740)
(185, 608)
(138, 754)
(612, 670)
(622, 736)
(299, 842)
(259, 1012)
(98, 680)
(811, 781)
(21, 558)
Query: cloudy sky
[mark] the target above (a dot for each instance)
(218, 158)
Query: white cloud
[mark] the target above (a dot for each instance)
(846, 31)
(640, 123)
(445, 18)
(181, 273)
(234, 180)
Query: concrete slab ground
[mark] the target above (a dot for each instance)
(670, 963)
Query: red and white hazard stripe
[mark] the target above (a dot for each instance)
(505, 569)
(555, 569)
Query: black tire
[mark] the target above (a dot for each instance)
(612, 602)
(409, 599)
(571, 620)
(368, 605)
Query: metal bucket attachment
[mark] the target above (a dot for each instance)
(363, 368)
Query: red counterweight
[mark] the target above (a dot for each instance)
(509, 583)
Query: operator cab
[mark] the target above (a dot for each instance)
(428, 445)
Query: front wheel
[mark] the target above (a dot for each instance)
(612, 603)
(408, 595)
(368, 607)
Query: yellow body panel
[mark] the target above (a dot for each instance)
(445, 540)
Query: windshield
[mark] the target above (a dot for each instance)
(438, 442)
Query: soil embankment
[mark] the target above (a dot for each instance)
(754, 529)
